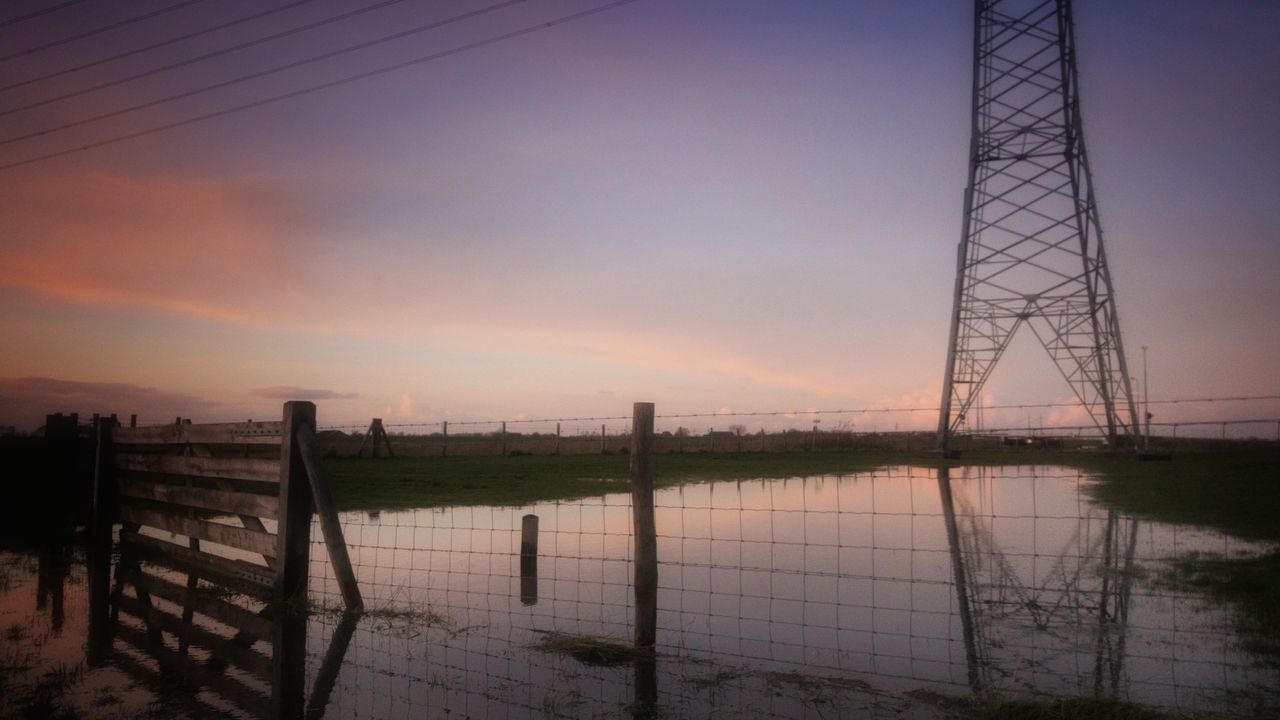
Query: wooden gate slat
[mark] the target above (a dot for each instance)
(262, 543)
(253, 433)
(227, 501)
(227, 468)
(254, 579)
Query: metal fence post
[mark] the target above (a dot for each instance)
(645, 531)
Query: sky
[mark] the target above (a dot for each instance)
(715, 206)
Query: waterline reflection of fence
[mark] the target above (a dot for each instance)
(983, 579)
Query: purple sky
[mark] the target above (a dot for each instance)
(709, 205)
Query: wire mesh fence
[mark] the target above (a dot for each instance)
(871, 593)
(859, 594)
(788, 594)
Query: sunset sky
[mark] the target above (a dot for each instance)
(712, 205)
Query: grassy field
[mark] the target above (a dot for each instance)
(405, 482)
(1230, 490)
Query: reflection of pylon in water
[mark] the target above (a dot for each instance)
(1113, 608)
(1031, 251)
(992, 596)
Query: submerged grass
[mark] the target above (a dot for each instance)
(589, 650)
(1251, 585)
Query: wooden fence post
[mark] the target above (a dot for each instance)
(98, 552)
(602, 448)
(645, 531)
(293, 559)
(557, 438)
(103, 504)
(373, 436)
(62, 440)
(444, 442)
(504, 437)
(293, 551)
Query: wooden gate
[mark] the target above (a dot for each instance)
(229, 507)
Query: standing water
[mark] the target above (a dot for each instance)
(884, 593)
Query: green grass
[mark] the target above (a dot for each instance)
(1236, 492)
(409, 482)
(1230, 491)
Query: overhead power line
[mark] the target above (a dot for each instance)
(98, 31)
(207, 56)
(318, 87)
(38, 13)
(155, 45)
(262, 73)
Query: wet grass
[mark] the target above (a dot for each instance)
(1235, 492)
(970, 708)
(1250, 585)
(590, 650)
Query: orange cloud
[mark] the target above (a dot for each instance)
(201, 247)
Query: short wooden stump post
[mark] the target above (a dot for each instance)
(529, 560)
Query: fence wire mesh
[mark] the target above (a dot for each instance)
(786, 597)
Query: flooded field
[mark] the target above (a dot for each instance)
(882, 593)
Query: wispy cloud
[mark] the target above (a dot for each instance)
(290, 392)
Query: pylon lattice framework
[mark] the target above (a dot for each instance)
(1031, 250)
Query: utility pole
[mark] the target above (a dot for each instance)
(1146, 403)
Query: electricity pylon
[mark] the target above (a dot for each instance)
(1031, 248)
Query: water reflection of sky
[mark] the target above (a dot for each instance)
(873, 583)
(848, 575)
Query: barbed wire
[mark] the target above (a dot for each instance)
(805, 413)
(795, 413)
(1180, 423)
